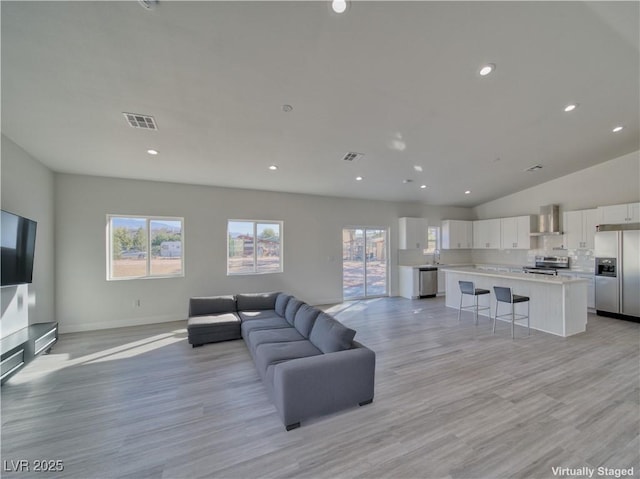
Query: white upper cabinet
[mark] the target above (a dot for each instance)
(515, 233)
(486, 234)
(580, 228)
(457, 234)
(618, 214)
(413, 233)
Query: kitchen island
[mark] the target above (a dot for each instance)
(558, 305)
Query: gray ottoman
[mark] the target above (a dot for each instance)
(212, 329)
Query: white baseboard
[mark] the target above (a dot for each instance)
(72, 327)
(66, 327)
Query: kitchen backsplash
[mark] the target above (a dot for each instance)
(415, 257)
(547, 246)
(582, 258)
(554, 246)
(496, 256)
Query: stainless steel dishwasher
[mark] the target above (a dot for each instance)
(428, 282)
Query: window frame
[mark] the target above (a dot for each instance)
(255, 271)
(148, 274)
(436, 240)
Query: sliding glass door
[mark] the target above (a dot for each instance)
(364, 262)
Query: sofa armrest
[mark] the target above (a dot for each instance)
(317, 385)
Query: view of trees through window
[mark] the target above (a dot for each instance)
(142, 247)
(254, 247)
(364, 262)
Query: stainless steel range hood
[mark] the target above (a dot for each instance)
(548, 221)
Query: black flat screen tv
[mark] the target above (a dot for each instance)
(18, 244)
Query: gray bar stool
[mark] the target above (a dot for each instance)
(504, 295)
(467, 287)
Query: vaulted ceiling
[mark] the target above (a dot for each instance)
(398, 82)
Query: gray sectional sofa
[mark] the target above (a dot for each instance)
(307, 360)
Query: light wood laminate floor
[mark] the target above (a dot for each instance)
(452, 400)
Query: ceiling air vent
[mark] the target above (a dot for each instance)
(353, 156)
(145, 122)
(148, 4)
(534, 168)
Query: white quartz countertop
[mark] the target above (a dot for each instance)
(431, 265)
(420, 266)
(537, 278)
(490, 265)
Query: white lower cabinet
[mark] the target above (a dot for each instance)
(591, 289)
(591, 286)
(442, 282)
(408, 282)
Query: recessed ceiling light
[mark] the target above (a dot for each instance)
(418, 168)
(618, 128)
(408, 180)
(423, 186)
(152, 152)
(486, 69)
(339, 6)
(570, 107)
(359, 178)
(468, 192)
(273, 167)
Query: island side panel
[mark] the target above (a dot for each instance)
(575, 305)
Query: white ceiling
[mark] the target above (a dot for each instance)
(397, 81)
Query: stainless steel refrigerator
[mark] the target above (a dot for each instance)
(617, 271)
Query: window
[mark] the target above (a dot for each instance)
(433, 243)
(144, 247)
(254, 247)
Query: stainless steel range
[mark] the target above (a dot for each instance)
(549, 265)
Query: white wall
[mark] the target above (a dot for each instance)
(28, 190)
(612, 182)
(312, 246)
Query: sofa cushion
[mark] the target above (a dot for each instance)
(268, 323)
(273, 353)
(211, 329)
(329, 335)
(256, 301)
(265, 336)
(216, 320)
(206, 305)
(264, 314)
(281, 303)
(304, 319)
(292, 308)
